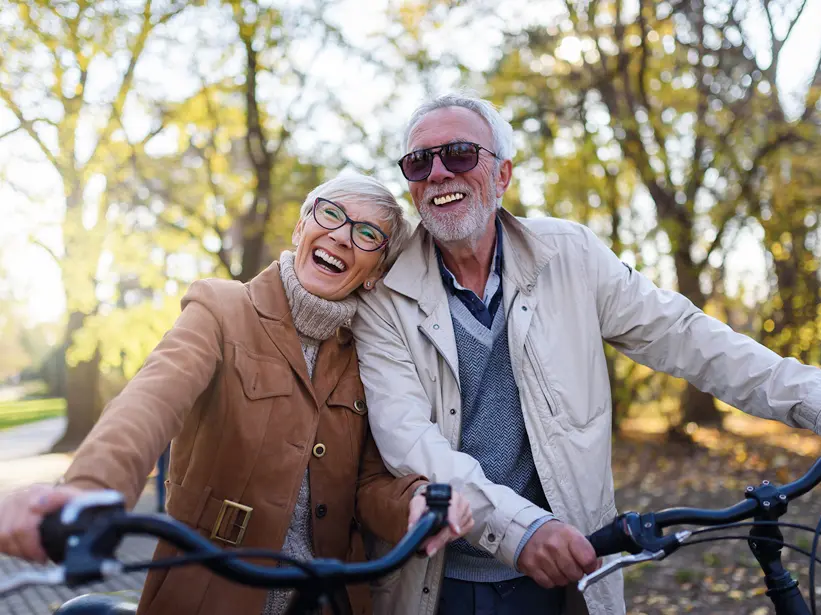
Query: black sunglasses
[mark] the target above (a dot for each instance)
(459, 157)
(364, 235)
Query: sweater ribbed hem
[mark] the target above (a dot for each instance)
(464, 567)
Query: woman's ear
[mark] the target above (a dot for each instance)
(371, 280)
(297, 235)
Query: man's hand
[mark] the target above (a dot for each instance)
(21, 513)
(460, 521)
(557, 554)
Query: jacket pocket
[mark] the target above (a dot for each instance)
(262, 376)
(356, 416)
(532, 356)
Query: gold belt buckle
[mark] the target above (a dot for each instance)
(245, 511)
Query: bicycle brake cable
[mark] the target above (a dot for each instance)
(814, 551)
(200, 558)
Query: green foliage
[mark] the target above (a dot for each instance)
(14, 413)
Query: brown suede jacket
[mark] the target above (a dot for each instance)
(229, 384)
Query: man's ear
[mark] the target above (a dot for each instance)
(503, 178)
(297, 235)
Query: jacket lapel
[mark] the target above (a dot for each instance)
(268, 297)
(331, 363)
(416, 275)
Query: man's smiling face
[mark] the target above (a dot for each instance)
(455, 206)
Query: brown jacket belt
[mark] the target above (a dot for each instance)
(223, 520)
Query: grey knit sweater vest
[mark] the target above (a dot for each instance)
(490, 405)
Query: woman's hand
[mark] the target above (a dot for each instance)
(460, 521)
(21, 513)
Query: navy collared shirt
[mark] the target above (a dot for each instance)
(482, 310)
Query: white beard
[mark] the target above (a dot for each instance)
(463, 225)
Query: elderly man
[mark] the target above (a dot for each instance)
(481, 354)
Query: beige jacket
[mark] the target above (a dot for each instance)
(564, 293)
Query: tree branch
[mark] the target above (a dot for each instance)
(29, 128)
(8, 133)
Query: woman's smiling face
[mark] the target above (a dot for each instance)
(327, 263)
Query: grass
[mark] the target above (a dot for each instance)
(13, 413)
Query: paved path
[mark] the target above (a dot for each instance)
(31, 439)
(21, 464)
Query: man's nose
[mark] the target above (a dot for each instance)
(438, 171)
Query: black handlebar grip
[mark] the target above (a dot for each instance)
(53, 536)
(611, 539)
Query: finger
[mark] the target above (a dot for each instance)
(455, 528)
(552, 564)
(50, 500)
(439, 541)
(569, 568)
(14, 547)
(584, 554)
(27, 537)
(6, 545)
(417, 507)
(541, 578)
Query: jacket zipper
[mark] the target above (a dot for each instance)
(537, 367)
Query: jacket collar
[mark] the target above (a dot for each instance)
(268, 294)
(416, 272)
(271, 303)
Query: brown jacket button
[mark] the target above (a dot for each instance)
(360, 407)
(319, 450)
(321, 510)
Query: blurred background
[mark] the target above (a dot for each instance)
(145, 144)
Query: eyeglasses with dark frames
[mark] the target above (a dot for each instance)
(364, 235)
(458, 157)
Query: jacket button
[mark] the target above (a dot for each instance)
(321, 511)
(360, 407)
(436, 327)
(491, 537)
(524, 308)
(319, 450)
(425, 590)
(453, 410)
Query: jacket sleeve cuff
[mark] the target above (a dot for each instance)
(508, 543)
(808, 412)
(528, 535)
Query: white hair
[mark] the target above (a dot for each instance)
(352, 185)
(500, 128)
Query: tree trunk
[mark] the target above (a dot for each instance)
(83, 405)
(255, 221)
(696, 406)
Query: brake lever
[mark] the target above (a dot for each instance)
(630, 560)
(53, 575)
(617, 564)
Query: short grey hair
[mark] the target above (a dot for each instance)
(352, 185)
(500, 128)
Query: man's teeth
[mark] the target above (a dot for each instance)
(323, 255)
(448, 198)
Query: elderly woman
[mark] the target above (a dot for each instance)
(258, 386)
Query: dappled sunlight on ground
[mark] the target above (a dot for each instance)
(652, 473)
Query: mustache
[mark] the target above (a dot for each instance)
(432, 191)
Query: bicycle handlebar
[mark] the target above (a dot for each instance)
(635, 533)
(86, 532)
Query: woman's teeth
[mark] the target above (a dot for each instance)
(331, 260)
(448, 198)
